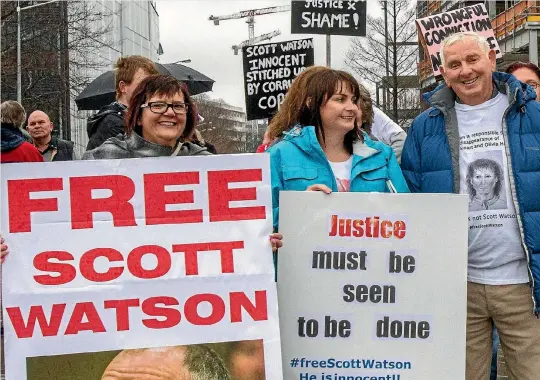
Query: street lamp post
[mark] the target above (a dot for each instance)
(19, 9)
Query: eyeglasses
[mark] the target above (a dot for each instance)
(533, 84)
(162, 107)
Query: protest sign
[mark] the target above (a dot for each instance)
(435, 29)
(157, 254)
(369, 283)
(338, 17)
(269, 70)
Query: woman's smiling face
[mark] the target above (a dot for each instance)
(163, 129)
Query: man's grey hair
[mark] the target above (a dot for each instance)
(460, 36)
(204, 363)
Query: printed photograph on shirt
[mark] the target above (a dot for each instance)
(485, 182)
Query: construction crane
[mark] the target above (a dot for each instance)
(262, 37)
(250, 16)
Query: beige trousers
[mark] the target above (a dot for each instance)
(510, 308)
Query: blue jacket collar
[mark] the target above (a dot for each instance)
(444, 97)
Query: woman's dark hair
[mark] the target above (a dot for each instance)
(163, 85)
(484, 163)
(523, 65)
(307, 94)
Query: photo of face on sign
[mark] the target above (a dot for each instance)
(486, 185)
(240, 360)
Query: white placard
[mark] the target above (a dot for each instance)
(373, 286)
(139, 253)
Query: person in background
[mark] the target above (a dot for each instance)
(386, 130)
(324, 147)
(527, 73)
(503, 287)
(51, 147)
(109, 121)
(273, 133)
(14, 147)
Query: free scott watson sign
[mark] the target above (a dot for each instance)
(340, 17)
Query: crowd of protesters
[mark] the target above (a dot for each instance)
(327, 136)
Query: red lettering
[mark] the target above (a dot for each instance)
(171, 315)
(86, 265)
(156, 198)
(239, 301)
(84, 310)
(225, 249)
(20, 206)
(66, 272)
(358, 229)
(400, 229)
(83, 205)
(26, 330)
(219, 195)
(163, 261)
(191, 311)
(122, 311)
(384, 233)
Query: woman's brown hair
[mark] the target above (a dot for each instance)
(307, 94)
(163, 85)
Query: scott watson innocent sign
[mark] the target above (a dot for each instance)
(269, 70)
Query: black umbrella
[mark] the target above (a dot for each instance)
(101, 91)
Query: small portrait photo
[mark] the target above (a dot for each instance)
(240, 360)
(486, 185)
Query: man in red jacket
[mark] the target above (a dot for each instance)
(14, 148)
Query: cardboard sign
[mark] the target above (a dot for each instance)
(368, 283)
(136, 259)
(435, 29)
(339, 17)
(269, 70)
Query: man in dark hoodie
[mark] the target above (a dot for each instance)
(109, 121)
(14, 146)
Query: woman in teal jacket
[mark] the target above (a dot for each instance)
(323, 147)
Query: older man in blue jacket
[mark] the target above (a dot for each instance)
(481, 137)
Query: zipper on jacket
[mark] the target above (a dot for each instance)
(514, 197)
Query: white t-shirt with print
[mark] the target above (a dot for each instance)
(496, 255)
(342, 173)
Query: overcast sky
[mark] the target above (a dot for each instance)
(186, 33)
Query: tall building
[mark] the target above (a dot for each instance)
(64, 45)
(516, 25)
(224, 125)
(133, 29)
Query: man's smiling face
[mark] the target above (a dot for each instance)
(467, 70)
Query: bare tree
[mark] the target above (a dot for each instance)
(60, 52)
(222, 126)
(387, 57)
